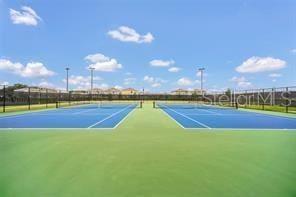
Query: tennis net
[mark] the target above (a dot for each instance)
(99, 104)
(120, 104)
(193, 105)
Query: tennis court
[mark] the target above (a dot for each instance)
(107, 116)
(194, 116)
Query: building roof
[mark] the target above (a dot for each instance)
(180, 90)
(36, 89)
(113, 89)
(129, 89)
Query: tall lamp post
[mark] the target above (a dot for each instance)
(67, 70)
(201, 70)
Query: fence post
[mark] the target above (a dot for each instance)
(272, 96)
(234, 96)
(287, 99)
(246, 98)
(29, 98)
(263, 99)
(58, 99)
(46, 98)
(69, 98)
(4, 98)
(40, 94)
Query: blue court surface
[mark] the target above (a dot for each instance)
(90, 116)
(225, 118)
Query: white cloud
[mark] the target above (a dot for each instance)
(3, 83)
(81, 82)
(148, 79)
(101, 86)
(46, 84)
(32, 69)
(103, 63)
(118, 87)
(260, 64)
(127, 34)
(241, 81)
(130, 80)
(27, 16)
(293, 50)
(161, 63)
(275, 75)
(128, 73)
(174, 69)
(155, 82)
(156, 85)
(184, 81)
(198, 74)
(35, 69)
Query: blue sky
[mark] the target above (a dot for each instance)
(158, 45)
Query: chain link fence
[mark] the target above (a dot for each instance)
(31, 98)
(281, 99)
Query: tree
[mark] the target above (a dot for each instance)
(10, 89)
(228, 92)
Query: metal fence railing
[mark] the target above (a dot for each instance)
(281, 99)
(31, 98)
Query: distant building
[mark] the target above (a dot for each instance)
(198, 92)
(35, 90)
(129, 91)
(112, 91)
(187, 92)
(80, 92)
(98, 91)
(181, 92)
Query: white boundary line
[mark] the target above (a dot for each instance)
(213, 113)
(76, 128)
(265, 114)
(225, 129)
(172, 119)
(84, 111)
(240, 129)
(200, 123)
(108, 117)
(197, 114)
(94, 129)
(123, 119)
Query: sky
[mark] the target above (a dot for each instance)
(156, 45)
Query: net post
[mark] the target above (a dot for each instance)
(141, 104)
(57, 104)
(154, 104)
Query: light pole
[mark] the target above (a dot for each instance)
(91, 80)
(201, 70)
(67, 70)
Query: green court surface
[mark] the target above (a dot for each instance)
(147, 155)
